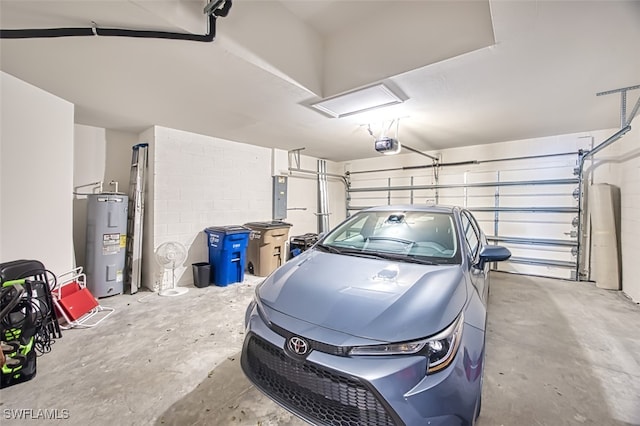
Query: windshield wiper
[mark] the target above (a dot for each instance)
(330, 249)
(349, 251)
(409, 258)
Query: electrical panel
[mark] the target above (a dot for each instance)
(279, 197)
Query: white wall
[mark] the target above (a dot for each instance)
(36, 175)
(88, 168)
(619, 165)
(118, 157)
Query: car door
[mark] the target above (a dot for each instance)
(475, 241)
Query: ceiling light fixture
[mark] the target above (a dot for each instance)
(361, 100)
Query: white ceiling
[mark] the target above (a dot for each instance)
(475, 72)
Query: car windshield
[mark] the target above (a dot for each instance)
(412, 236)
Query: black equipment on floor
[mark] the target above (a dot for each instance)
(28, 324)
(300, 243)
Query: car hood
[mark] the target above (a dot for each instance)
(376, 299)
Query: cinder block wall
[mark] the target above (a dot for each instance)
(201, 181)
(629, 182)
(619, 165)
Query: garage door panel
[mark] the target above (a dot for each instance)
(528, 205)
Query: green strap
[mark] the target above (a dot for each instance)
(13, 282)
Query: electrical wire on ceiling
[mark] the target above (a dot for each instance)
(214, 9)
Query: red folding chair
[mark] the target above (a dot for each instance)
(75, 305)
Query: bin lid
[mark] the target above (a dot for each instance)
(228, 229)
(274, 224)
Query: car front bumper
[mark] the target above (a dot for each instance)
(325, 388)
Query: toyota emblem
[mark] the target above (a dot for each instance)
(298, 345)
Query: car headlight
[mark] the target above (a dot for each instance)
(391, 349)
(440, 349)
(444, 346)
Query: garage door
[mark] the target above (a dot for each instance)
(528, 204)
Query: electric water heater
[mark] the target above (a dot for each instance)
(106, 243)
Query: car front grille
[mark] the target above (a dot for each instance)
(312, 391)
(315, 345)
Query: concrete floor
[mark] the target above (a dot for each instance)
(558, 353)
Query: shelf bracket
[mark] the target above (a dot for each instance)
(624, 120)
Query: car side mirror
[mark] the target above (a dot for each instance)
(493, 254)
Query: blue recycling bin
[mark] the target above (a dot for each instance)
(227, 253)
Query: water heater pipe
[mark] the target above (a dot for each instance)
(214, 9)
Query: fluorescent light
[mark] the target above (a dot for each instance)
(358, 101)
